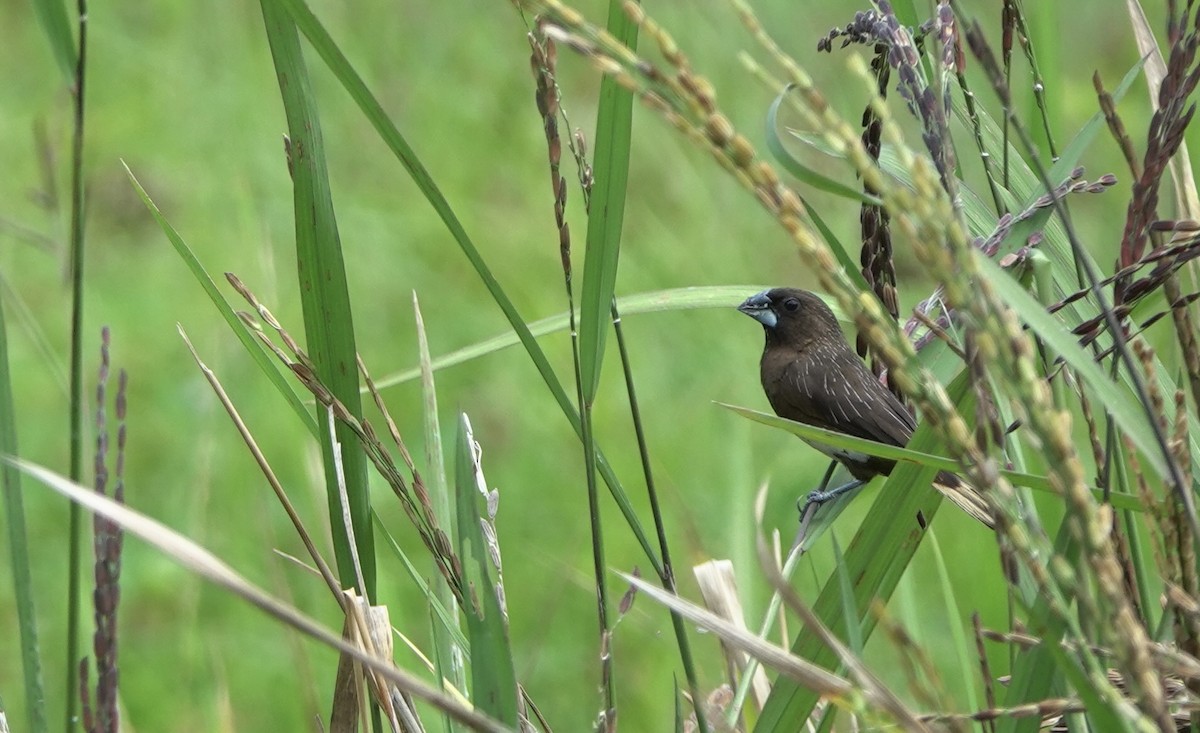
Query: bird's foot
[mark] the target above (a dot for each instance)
(820, 497)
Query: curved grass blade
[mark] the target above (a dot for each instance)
(717, 296)
(909, 454)
(324, 296)
(253, 347)
(801, 172)
(852, 268)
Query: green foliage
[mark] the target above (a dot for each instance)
(456, 88)
(325, 297)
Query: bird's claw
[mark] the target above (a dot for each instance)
(820, 497)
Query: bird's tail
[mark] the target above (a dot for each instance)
(966, 496)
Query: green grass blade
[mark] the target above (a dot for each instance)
(493, 679)
(793, 165)
(265, 362)
(324, 295)
(446, 640)
(714, 296)
(853, 270)
(850, 615)
(391, 136)
(966, 668)
(908, 454)
(18, 550)
(52, 16)
(606, 215)
(1117, 400)
(877, 557)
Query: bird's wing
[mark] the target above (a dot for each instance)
(965, 496)
(840, 394)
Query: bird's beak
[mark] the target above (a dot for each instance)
(758, 307)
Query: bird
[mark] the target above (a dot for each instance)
(811, 375)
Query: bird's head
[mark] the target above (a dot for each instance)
(792, 316)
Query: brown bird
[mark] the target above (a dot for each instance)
(811, 376)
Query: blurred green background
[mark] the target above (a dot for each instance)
(185, 94)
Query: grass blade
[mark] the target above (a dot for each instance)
(793, 165)
(18, 550)
(325, 297)
(52, 15)
(208, 566)
(606, 214)
(391, 136)
(444, 615)
(1116, 400)
(253, 348)
(493, 679)
(714, 296)
(447, 636)
(607, 210)
(78, 87)
(961, 649)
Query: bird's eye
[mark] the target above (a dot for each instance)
(792, 304)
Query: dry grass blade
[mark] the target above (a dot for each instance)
(806, 673)
(718, 586)
(202, 562)
(415, 502)
(339, 472)
(368, 627)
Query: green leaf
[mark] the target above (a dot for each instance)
(875, 560)
(606, 214)
(852, 268)
(1116, 399)
(352, 82)
(324, 298)
(850, 615)
(716, 296)
(447, 641)
(909, 455)
(966, 663)
(793, 165)
(52, 16)
(445, 615)
(18, 549)
(493, 679)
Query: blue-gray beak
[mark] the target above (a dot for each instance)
(758, 307)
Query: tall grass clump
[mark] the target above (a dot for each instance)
(1052, 362)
